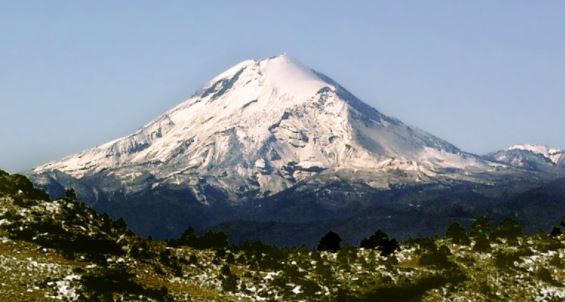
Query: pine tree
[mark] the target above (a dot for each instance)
(380, 240)
(330, 242)
(70, 194)
(508, 229)
(481, 226)
(457, 234)
(555, 232)
(120, 225)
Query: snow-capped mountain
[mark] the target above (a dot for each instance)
(532, 157)
(274, 141)
(553, 155)
(261, 127)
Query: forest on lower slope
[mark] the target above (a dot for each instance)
(61, 250)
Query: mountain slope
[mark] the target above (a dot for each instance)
(261, 127)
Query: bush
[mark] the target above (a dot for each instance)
(229, 280)
(70, 195)
(555, 232)
(505, 260)
(168, 259)
(482, 244)
(263, 256)
(424, 245)
(140, 249)
(120, 225)
(545, 275)
(330, 242)
(208, 240)
(229, 283)
(437, 257)
(481, 226)
(17, 184)
(101, 284)
(457, 234)
(380, 240)
(508, 229)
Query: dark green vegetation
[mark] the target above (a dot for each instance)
(380, 241)
(330, 242)
(300, 215)
(61, 250)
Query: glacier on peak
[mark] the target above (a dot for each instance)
(531, 157)
(555, 155)
(261, 127)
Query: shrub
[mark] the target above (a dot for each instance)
(555, 232)
(457, 234)
(508, 229)
(101, 284)
(208, 240)
(505, 260)
(481, 226)
(437, 257)
(120, 225)
(482, 244)
(380, 240)
(260, 255)
(19, 184)
(229, 280)
(330, 242)
(70, 194)
(545, 275)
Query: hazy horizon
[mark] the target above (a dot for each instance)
(482, 76)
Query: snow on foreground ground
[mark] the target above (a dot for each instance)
(525, 268)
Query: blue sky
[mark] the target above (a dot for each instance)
(480, 74)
